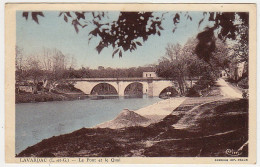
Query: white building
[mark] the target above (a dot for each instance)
(149, 75)
(237, 70)
(223, 74)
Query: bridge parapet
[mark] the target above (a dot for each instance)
(119, 79)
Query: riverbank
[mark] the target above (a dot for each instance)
(215, 128)
(47, 96)
(144, 116)
(184, 127)
(38, 121)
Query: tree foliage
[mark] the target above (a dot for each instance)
(181, 64)
(228, 26)
(131, 29)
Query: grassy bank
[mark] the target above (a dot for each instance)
(220, 126)
(46, 96)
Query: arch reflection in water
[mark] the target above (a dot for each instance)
(134, 90)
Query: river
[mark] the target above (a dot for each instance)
(38, 121)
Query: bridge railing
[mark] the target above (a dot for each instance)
(120, 79)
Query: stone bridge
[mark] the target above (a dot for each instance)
(151, 86)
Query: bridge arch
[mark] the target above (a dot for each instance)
(104, 88)
(171, 90)
(159, 86)
(135, 89)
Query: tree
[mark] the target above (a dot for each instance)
(33, 71)
(19, 62)
(173, 65)
(182, 63)
(73, 63)
(19, 58)
(221, 57)
(47, 59)
(194, 66)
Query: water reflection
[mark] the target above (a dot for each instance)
(100, 97)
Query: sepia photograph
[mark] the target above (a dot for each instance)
(139, 82)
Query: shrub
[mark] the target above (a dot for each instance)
(205, 81)
(243, 83)
(192, 92)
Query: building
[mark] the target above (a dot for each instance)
(237, 70)
(149, 75)
(223, 74)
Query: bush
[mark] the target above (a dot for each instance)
(243, 83)
(245, 94)
(192, 92)
(67, 87)
(205, 81)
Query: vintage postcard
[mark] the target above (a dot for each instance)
(133, 83)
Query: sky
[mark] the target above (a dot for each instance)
(53, 32)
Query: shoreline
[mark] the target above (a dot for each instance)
(179, 117)
(165, 106)
(143, 116)
(51, 97)
(150, 140)
(48, 97)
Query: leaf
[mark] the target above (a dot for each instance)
(174, 29)
(80, 15)
(100, 47)
(25, 14)
(89, 39)
(40, 13)
(34, 17)
(68, 14)
(60, 14)
(176, 18)
(99, 17)
(160, 27)
(94, 32)
(158, 32)
(145, 37)
(120, 53)
(211, 16)
(115, 52)
(65, 18)
(139, 43)
(200, 22)
(134, 46)
(76, 28)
